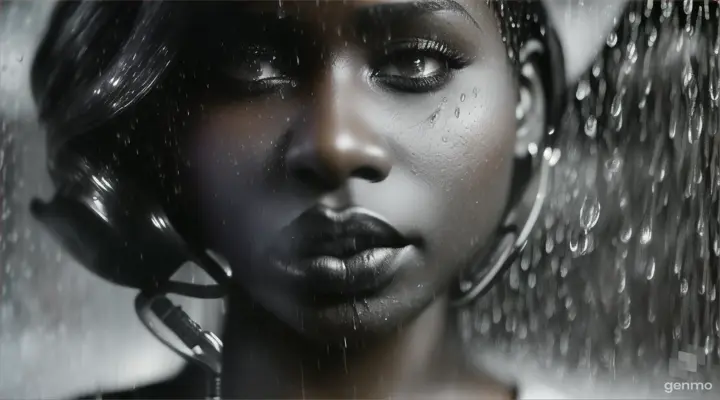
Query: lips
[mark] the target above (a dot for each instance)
(340, 253)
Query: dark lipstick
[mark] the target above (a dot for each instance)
(340, 253)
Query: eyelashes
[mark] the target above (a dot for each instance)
(418, 65)
(409, 66)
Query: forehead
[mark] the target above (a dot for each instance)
(330, 11)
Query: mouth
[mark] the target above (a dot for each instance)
(344, 253)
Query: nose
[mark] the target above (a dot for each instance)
(333, 143)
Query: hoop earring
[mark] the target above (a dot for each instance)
(509, 243)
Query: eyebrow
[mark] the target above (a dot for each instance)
(419, 8)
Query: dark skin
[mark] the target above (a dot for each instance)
(418, 126)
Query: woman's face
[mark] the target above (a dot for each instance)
(355, 156)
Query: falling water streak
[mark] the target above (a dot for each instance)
(634, 251)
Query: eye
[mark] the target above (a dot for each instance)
(413, 66)
(258, 70)
(257, 73)
(418, 66)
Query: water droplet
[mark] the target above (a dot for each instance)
(632, 54)
(457, 112)
(549, 245)
(626, 232)
(444, 139)
(475, 92)
(612, 168)
(581, 245)
(583, 90)
(434, 117)
(700, 228)
(591, 126)
(462, 97)
(612, 39)
(616, 106)
(651, 269)
(653, 37)
(532, 280)
(564, 268)
(693, 90)
(687, 75)
(687, 6)
(589, 212)
(683, 286)
(645, 234)
(626, 320)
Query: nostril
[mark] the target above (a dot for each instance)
(368, 174)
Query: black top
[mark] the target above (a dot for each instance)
(188, 384)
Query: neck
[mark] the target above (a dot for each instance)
(263, 358)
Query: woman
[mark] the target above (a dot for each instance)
(349, 159)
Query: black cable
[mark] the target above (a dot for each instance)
(189, 332)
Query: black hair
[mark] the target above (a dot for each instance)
(102, 83)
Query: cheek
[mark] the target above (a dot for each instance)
(468, 161)
(231, 153)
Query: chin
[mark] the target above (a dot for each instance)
(333, 320)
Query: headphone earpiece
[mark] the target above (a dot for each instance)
(531, 176)
(119, 232)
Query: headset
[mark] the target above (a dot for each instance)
(122, 234)
(119, 233)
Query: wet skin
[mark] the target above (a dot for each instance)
(334, 110)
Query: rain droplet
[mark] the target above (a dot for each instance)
(653, 37)
(683, 286)
(444, 139)
(612, 39)
(591, 126)
(612, 168)
(462, 97)
(622, 280)
(700, 228)
(651, 269)
(581, 245)
(687, 75)
(616, 107)
(549, 245)
(589, 212)
(693, 90)
(626, 320)
(687, 6)
(583, 90)
(626, 232)
(645, 234)
(532, 280)
(457, 112)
